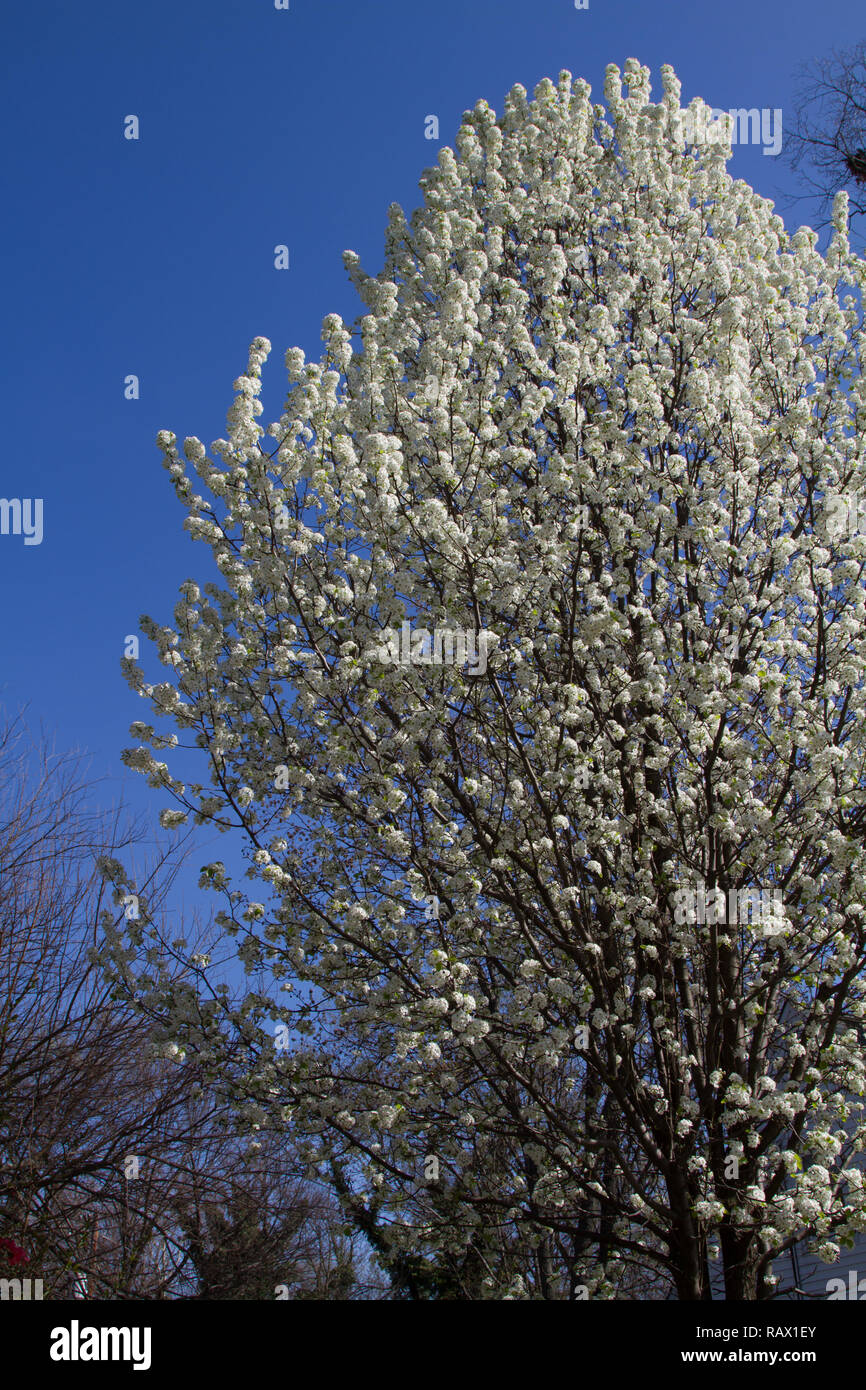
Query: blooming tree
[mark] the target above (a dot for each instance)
(557, 961)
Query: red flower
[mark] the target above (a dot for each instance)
(16, 1255)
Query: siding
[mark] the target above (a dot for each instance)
(813, 1273)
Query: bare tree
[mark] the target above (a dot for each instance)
(121, 1174)
(81, 1100)
(828, 143)
(262, 1231)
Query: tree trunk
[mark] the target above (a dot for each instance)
(686, 1244)
(741, 1258)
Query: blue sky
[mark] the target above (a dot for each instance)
(155, 257)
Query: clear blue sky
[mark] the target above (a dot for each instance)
(258, 126)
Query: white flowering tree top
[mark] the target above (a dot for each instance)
(600, 413)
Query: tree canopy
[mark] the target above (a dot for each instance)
(556, 963)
